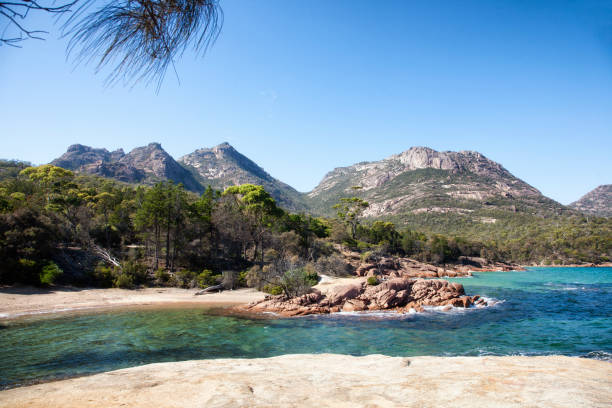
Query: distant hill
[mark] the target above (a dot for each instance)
(219, 167)
(461, 193)
(596, 202)
(147, 164)
(222, 166)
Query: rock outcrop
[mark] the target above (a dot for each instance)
(399, 294)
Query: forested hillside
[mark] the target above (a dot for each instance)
(56, 226)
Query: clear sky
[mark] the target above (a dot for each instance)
(301, 87)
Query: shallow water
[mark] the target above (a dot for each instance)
(541, 311)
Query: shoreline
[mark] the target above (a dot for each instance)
(601, 265)
(334, 380)
(17, 302)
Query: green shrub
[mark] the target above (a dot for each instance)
(185, 279)
(311, 276)
(242, 278)
(104, 276)
(373, 281)
(206, 279)
(137, 271)
(49, 273)
(365, 256)
(124, 281)
(298, 281)
(162, 276)
(272, 289)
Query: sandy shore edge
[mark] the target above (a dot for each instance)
(19, 302)
(326, 380)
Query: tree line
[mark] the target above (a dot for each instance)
(57, 226)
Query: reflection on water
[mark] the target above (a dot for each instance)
(543, 311)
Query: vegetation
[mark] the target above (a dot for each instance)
(57, 227)
(140, 38)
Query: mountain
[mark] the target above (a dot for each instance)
(423, 182)
(420, 187)
(222, 166)
(596, 202)
(147, 164)
(219, 167)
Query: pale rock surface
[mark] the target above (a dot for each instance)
(328, 380)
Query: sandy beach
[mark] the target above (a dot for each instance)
(18, 301)
(330, 380)
(24, 301)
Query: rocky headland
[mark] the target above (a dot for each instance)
(399, 294)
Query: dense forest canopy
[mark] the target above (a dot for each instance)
(57, 226)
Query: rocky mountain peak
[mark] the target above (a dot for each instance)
(424, 157)
(596, 202)
(146, 164)
(222, 166)
(421, 176)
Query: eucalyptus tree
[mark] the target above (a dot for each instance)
(260, 212)
(349, 211)
(149, 218)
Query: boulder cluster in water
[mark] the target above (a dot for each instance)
(401, 295)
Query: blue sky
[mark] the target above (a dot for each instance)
(301, 87)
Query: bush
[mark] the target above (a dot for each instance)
(124, 281)
(185, 279)
(137, 271)
(206, 279)
(253, 277)
(50, 272)
(242, 278)
(272, 289)
(373, 281)
(104, 276)
(365, 256)
(162, 276)
(298, 281)
(333, 265)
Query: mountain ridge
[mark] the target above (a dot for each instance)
(144, 164)
(417, 181)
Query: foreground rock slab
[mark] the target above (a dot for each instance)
(328, 380)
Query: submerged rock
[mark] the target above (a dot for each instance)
(401, 294)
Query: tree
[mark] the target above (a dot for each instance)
(51, 178)
(259, 209)
(16, 10)
(349, 210)
(150, 216)
(141, 38)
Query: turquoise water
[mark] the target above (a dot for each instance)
(541, 311)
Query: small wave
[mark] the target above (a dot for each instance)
(570, 286)
(599, 355)
(446, 309)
